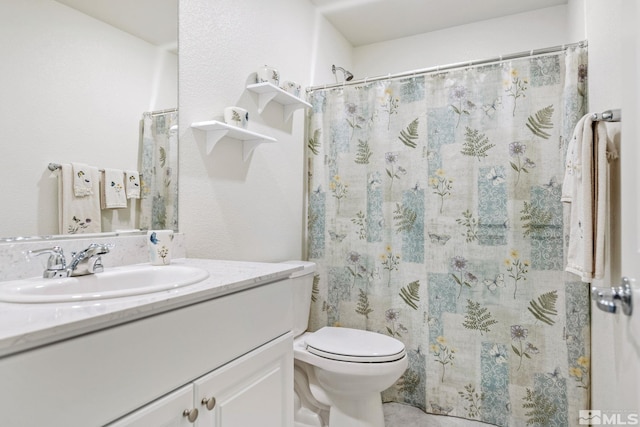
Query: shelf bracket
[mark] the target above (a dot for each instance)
(248, 147)
(289, 109)
(213, 136)
(264, 99)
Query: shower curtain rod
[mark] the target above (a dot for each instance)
(439, 68)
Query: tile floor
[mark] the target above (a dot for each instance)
(399, 415)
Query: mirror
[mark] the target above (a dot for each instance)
(77, 77)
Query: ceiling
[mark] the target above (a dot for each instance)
(361, 22)
(364, 22)
(151, 20)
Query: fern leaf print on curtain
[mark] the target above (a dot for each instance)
(434, 217)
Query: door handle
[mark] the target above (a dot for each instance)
(610, 299)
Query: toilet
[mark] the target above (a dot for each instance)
(339, 373)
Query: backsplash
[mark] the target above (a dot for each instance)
(15, 264)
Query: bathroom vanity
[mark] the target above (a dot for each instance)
(215, 353)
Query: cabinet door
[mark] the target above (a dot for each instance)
(168, 411)
(253, 390)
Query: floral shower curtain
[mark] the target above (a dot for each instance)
(159, 204)
(434, 216)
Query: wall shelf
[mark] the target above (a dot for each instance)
(268, 92)
(216, 130)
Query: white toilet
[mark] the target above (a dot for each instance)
(339, 373)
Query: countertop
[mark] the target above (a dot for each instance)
(27, 326)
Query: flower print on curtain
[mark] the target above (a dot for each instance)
(434, 216)
(159, 180)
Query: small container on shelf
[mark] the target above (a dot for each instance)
(236, 116)
(267, 74)
(292, 87)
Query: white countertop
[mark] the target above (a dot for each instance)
(26, 326)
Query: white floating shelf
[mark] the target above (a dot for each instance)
(216, 130)
(268, 92)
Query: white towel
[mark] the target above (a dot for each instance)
(585, 189)
(132, 184)
(112, 195)
(82, 183)
(78, 215)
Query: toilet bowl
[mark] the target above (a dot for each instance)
(339, 373)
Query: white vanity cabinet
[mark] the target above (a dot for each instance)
(173, 410)
(254, 390)
(236, 348)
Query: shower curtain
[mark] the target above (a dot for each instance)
(434, 216)
(159, 181)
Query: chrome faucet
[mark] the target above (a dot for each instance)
(56, 264)
(87, 261)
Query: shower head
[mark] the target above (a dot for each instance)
(347, 74)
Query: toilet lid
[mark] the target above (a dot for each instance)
(354, 345)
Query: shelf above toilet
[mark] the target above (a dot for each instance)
(268, 92)
(217, 130)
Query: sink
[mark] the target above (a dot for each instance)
(114, 282)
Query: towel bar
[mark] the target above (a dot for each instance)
(608, 116)
(55, 166)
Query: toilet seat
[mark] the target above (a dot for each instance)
(354, 345)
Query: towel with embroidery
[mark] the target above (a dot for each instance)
(78, 215)
(132, 184)
(82, 180)
(112, 194)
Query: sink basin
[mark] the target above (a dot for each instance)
(112, 283)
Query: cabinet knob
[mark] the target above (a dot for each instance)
(209, 403)
(191, 414)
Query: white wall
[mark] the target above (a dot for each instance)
(603, 19)
(481, 40)
(254, 209)
(73, 89)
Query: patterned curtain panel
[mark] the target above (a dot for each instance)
(159, 204)
(434, 216)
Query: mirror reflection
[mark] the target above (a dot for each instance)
(77, 78)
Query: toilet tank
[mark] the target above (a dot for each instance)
(302, 288)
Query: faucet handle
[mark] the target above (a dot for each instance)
(104, 248)
(56, 264)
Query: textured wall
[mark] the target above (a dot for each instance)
(254, 209)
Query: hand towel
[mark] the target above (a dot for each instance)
(78, 215)
(585, 189)
(112, 194)
(132, 184)
(82, 184)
